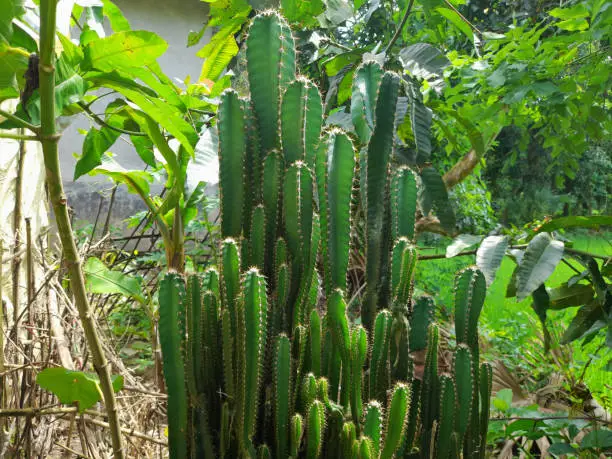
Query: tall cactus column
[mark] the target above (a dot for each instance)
(260, 358)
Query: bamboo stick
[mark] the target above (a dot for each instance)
(50, 139)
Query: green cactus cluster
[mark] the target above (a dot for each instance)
(260, 358)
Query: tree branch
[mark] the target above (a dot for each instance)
(19, 121)
(461, 169)
(400, 27)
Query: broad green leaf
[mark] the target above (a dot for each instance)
(96, 143)
(75, 386)
(69, 89)
(24, 37)
(72, 53)
(599, 438)
(582, 322)
(9, 9)
(13, 63)
(218, 58)
(503, 400)
(594, 221)
(100, 279)
(148, 125)
(144, 148)
(420, 123)
(336, 12)
(577, 11)
(302, 12)
(334, 65)
(565, 297)
(124, 50)
(454, 18)
(460, 243)
(559, 449)
(136, 181)
(490, 254)
(541, 258)
(435, 196)
(117, 20)
(167, 116)
(425, 61)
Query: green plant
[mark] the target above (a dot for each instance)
(251, 367)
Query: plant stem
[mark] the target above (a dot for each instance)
(101, 122)
(7, 135)
(20, 122)
(50, 139)
(400, 27)
(463, 18)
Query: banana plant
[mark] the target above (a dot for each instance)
(260, 357)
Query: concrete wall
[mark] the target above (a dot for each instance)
(172, 20)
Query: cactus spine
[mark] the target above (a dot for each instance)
(261, 358)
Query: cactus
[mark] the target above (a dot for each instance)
(283, 391)
(316, 426)
(373, 424)
(396, 420)
(261, 355)
(447, 417)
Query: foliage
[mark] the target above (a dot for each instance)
(526, 426)
(75, 387)
(535, 262)
(100, 279)
(160, 119)
(292, 382)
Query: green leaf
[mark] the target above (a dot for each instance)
(425, 61)
(96, 143)
(144, 148)
(460, 243)
(503, 400)
(420, 123)
(594, 221)
(597, 438)
(559, 449)
(565, 297)
(100, 279)
(124, 50)
(167, 116)
(117, 20)
(69, 89)
(136, 181)
(72, 53)
(490, 254)
(218, 58)
(435, 196)
(575, 12)
(336, 12)
(75, 386)
(582, 322)
(9, 9)
(456, 20)
(302, 12)
(13, 62)
(542, 256)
